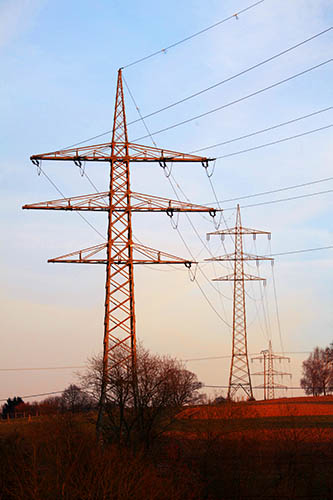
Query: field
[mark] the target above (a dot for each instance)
(310, 417)
(279, 449)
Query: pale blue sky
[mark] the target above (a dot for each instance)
(59, 62)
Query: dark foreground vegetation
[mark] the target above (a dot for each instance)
(157, 441)
(57, 457)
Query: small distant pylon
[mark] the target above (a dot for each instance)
(239, 370)
(268, 357)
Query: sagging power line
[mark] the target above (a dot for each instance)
(211, 87)
(190, 37)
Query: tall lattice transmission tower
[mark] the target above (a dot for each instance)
(268, 358)
(119, 253)
(240, 377)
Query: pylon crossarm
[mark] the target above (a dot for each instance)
(103, 152)
(236, 257)
(146, 255)
(139, 203)
(98, 201)
(84, 255)
(245, 277)
(234, 230)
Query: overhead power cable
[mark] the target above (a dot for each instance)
(163, 51)
(84, 218)
(260, 387)
(208, 358)
(208, 88)
(42, 368)
(276, 302)
(236, 101)
(292, 252)
(282, 200)
(62, 194)
(226, 80)
(301, 251)
(273, 191)
(189, 220)
(275, 142)
(37, 395)
(257, 132)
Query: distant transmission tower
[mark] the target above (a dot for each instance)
(268, 358)
(120, 252)
(239, 370)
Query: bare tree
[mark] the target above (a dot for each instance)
(139, 408)
(75, 399)
(318, 372)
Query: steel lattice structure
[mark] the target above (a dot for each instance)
(119, 253)
(240, 377)
(268, 358)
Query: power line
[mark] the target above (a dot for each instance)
(188, 218)
(274, 190)
(291, 252)
(257, 132)
(37, 395)
(276, 304)
(210, 87)
(274, 142)
(236, 101)
(260, 387)
(229, 356)
(222, 82)
(62, 194)
(282, 200)
(301, 251)
(163, 51)
(42, 368)
(85, 366)
(85, 220)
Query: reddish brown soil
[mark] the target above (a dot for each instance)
(284, 407)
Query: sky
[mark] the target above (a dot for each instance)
(59, 63)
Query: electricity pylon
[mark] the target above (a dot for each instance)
(119, 253)
(239, 370)
(268, 357)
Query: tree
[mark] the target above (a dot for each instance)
(318, 372)
(75, 399)
(140, 408)
(8, 409)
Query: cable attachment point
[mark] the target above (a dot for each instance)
(192, 274)
(38, 164)
(217, 223)
(188, 264)
(167, 171)
(205, 165)
(170, 212)
(82, 166)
